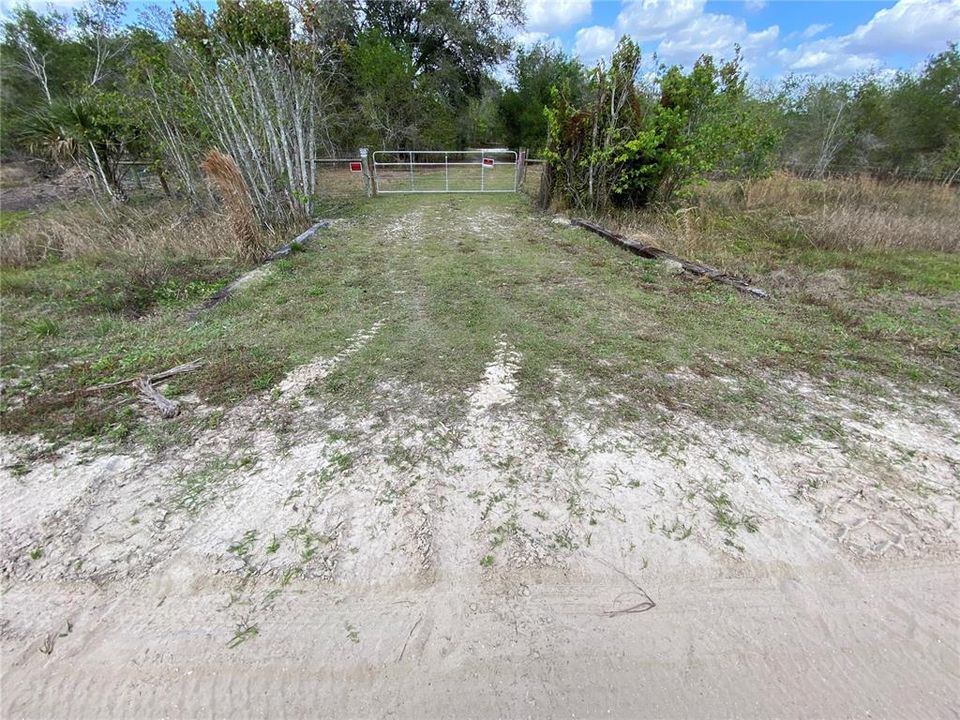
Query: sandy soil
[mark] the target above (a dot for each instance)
(419, 570)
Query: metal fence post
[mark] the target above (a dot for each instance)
(446, 171)
(482, 166)
(411, 171)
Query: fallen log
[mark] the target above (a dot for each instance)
(226, 291)
(655, 253)
(298, 240)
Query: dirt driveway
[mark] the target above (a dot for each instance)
(521, 557)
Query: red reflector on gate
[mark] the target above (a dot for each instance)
(355, 167)
(488, 162)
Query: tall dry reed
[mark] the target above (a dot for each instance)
(222, 171)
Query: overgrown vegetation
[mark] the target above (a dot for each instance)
(733, 220)
(270, 83)
(565, 299)
(864, 270)
(853, 213)
(139, 231)
(633, 146)
(274, 84)
(908, 126)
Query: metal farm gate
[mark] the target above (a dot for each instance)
(445, 171)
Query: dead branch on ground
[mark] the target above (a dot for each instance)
(653, 252)
(158, 377)
(167, 407)
(282, 252)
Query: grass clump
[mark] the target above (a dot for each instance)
(223, 172)
(44, 327)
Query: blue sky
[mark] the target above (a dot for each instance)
(777, 37)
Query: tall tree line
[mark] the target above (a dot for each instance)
(274, 83)
(908, 124)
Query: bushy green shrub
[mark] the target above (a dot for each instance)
(630, 145)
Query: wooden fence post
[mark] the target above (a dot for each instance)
(368, 181)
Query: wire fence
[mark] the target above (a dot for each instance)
(338, 177)
(342, 177)
(334, 178)
(812, 171)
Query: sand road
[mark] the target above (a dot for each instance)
(415, 570)
(830, 641)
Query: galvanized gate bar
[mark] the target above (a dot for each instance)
(418, 164)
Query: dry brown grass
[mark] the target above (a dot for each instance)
(334, 180)
(737, 223)
(850, 213)
(851, 229)
(161, 229)
(222, 171)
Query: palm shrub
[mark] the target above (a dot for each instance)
(90, 130)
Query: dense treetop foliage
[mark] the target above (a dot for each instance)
(275, 83)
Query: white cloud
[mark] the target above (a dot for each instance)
(529, 39)
(754, 5)
(815, 29)
(652, 19)
(592, 43)
(686, 32)
(828, 62)
(713, 34)
(828, 56)
(909, 26)
(682, 30)
(553, 15)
